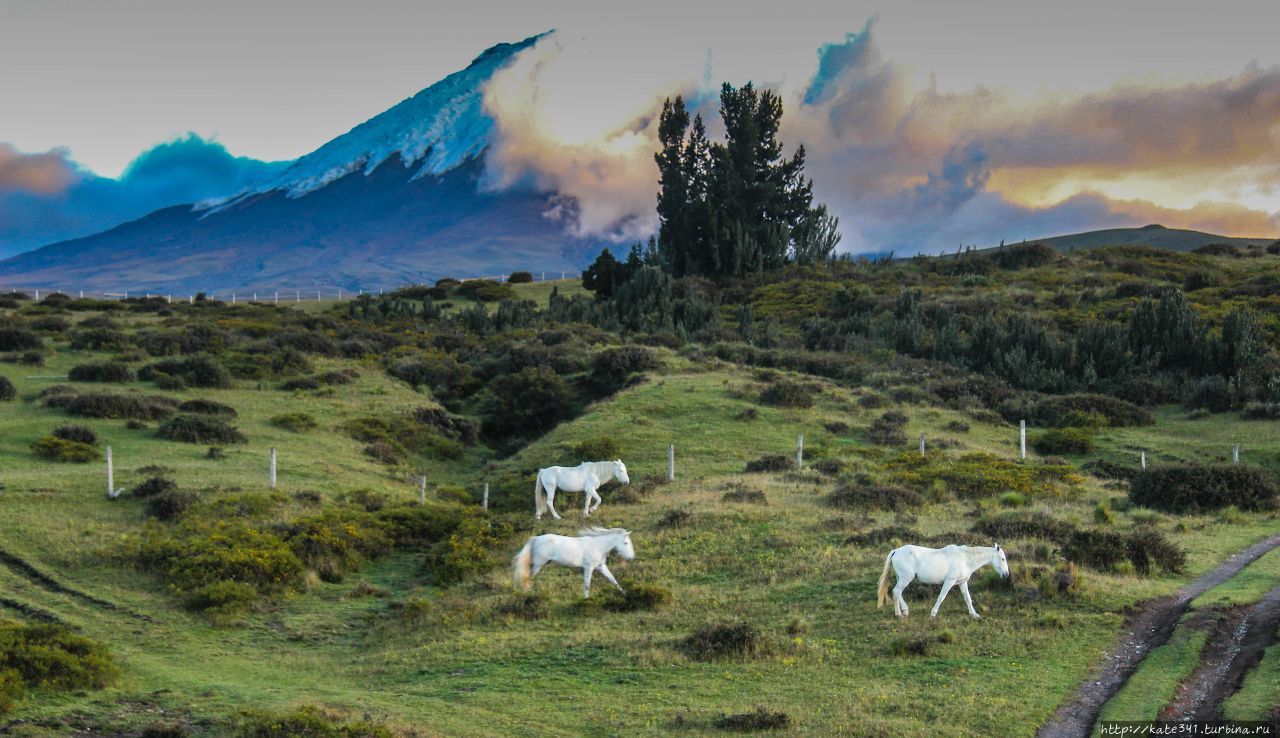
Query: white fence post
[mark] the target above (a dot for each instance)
(1235, 454)
(1022, 437)
(671, 462)
(800, 452)
(271, 473)
(484, 501)
(1144, 459)
(422, 489)
(111, 477)
(922, 444)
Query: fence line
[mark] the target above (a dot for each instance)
(262, 296)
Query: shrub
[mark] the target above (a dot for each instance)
(107, 371)
(18, 339)
(99, 339)
(1216, 249)
(788, 393)
(384, 452)
(51, 448)
(1024, 256)
(1261, 411)
(674, 518)
(195, 371)
(519, 278)
(202, 429)
(737, 640)
(1063, 441)
(758, 719)
(1144, 547)
(889, 429)
(744, 494)
(864, 495)
(601, 448)
(221, 598)
(342, 376)
(96, 405)
(526, 403)
(957, 426)
(207, 407)
(1193, 488)
(77, 433)
(53, 656)
(882, 536)
(1106, 469)
(296, 422)
(301, 384)
(196, 554)
(51, 324)
(638, 597)
(171, 504)
(469, 550)
(1055, 411)
(524, 606)
(769, 463)
(308, 722)
(612, 367)
(154, 486)
(1022, 524)
(7, 391)
(484, 290)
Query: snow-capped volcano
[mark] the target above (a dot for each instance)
(436, 130)
(394, 200)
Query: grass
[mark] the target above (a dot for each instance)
(1257, 699)
(383, 643)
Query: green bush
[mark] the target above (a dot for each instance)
(770, 463)
(1144, 547)
(758, 719)
(1261, 411)
(889, 429)
(107, 371)
(49, 656)
(485, 290)
(613, 367)
(153, 486)
(1194, 488)
(96, 405)
(99, 339)
(7, 391)
(1063, 441)
(526, 403)
(337, 541)
(600, 448)
(296, 422)
(865, 495)
(308, 722)
(201, 429)
(301, 384)
(52, 448)
(419, 526)
(469, 550)
(977, 475)
(638, 597)
(385, 452)
(171, 504)
(77, 433)
(207, 407)
(1057, 411)
(196, 371)
(18, 339)
(736, 640)
(519, 278)
(1022, 524)
(221, 598)
(524, 606)
(196, 554)
(787, 393)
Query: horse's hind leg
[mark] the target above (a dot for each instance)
(586, 581)
(550, 489)
(899, 604)
(588, 492)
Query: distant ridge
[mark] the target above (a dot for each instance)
(1174, 239)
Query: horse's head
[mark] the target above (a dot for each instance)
(620, 472)
(624, 547)
(999, 561)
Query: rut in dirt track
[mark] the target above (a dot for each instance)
(1151, 626)
(25, 569)
(1238, 642)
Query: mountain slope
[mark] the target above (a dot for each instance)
(396, 199)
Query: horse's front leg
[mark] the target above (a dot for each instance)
(588, 491)
(964, 590)
(609, 575)
(586, 580)
(596, 496)
(946, 587)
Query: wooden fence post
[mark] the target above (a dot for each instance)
(922, 444)
(111, 477)
(484, 501)
(271, 471)
(800, 452)
(422, 489)
(1144, 459)
(1022, 437)
(1235, 454)
(671, 462)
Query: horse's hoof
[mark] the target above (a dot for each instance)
(976, 616)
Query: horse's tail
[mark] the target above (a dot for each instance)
(539, 496)
(523, 565)
(883, 595)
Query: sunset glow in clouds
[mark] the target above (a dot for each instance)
(926, 127)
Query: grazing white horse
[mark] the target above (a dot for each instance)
(947, 566)
(585, 477)
(588, 551)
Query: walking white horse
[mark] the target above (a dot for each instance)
(585, 477)
(590, 550)
(947, 566)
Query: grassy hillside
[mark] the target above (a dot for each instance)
(1175, 239)
(404, 615)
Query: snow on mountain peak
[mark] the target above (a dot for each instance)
(442, 127)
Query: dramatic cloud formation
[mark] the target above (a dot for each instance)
(906, 168)
(46, 197)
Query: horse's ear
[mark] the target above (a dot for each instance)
(997, 546)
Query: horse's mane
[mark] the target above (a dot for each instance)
(598, 531)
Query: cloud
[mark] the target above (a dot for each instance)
(906, 168)
(47, 173)
(46, 197)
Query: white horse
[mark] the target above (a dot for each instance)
(947, 566)
(585, 477)
(589, 551)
